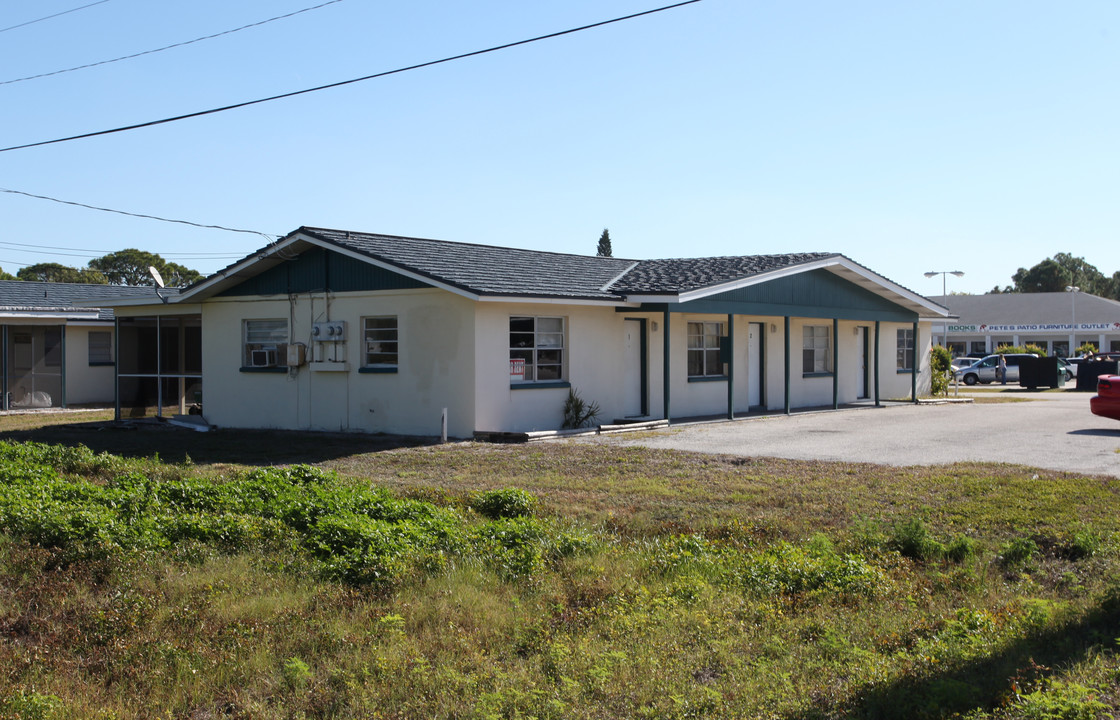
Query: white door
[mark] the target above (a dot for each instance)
(754, 364)
(632, 369)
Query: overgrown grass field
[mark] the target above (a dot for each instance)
(559, 580)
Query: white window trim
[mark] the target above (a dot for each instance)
(536, 348)
(720, 329)
(817, 351)
(274, 345)
(901, 349)
(366, 341)
(107, 358)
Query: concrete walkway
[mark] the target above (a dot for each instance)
(1052, 430)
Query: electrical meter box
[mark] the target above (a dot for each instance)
(330, 331)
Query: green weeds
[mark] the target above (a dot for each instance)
(138, 589)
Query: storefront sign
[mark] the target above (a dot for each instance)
(1040, 327)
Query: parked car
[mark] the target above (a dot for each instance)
(1068, 368)
(1106, 402)
(984, 371)
(961, 363)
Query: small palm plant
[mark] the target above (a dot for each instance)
(577, 412)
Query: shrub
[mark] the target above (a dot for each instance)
(941, 370)
(1083, 543)
(914, 540)
(788, 570)
(1017, 554)
(505, 503)
(30, 706)
(296, 673)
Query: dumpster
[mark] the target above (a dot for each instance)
(1036, 372)
(1090, 370)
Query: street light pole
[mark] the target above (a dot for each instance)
(1073, 290)
(943, 273)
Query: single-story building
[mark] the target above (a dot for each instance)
(334, 330)
(1057, 322)
(57, 352)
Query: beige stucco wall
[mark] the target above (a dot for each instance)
(594, 349)
(85, 383)
(436, 365)
(454, 354)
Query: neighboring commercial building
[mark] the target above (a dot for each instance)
(334, 330)
(1057, 322)
(57, 351)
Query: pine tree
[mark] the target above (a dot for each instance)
(604, 249)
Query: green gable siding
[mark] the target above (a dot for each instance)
(317, 270)
(817, 293)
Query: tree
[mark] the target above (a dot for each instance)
(604, 249)
(176, 275)
(1082, 274)
(7, 275)
(54, 272)
(130, 267)
(1047, 276)
(1059, 272)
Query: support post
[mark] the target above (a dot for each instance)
(876, 363)
(667, 346)
(917, 365)
(835, 363)
(787, 405)
(117, 368)
(731, 367)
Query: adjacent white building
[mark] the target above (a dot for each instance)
(1057, 322)
(57, 351)
(342, 331)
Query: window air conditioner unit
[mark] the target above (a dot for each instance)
(263, 358)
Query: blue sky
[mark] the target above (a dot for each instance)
(910, 137)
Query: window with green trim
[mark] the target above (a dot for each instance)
(816, 352)
(906, 349)
(100, 347)
(703, 349)
(536, 349)
(266, 343)
(380, 341)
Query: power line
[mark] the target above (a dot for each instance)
(48, 17)
(82, 252)
(386, 73)
(168, 47)
(266, 236)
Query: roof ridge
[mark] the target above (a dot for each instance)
(506, 248)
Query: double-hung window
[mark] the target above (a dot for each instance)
(266, 343)
(906, 350)
(100, 347)
(536, 349)
(703, 349)
(816, 353)
(381, 350)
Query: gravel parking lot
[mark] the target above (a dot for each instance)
(1052, 430)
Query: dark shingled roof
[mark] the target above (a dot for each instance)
(487, 269)
(17, 295)
(491, 270)
(685, 274)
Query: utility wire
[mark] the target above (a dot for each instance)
(48, 17)
(168, 47)
(266, 236)
(386, 73)
(79, 252)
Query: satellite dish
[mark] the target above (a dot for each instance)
(156, 276)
